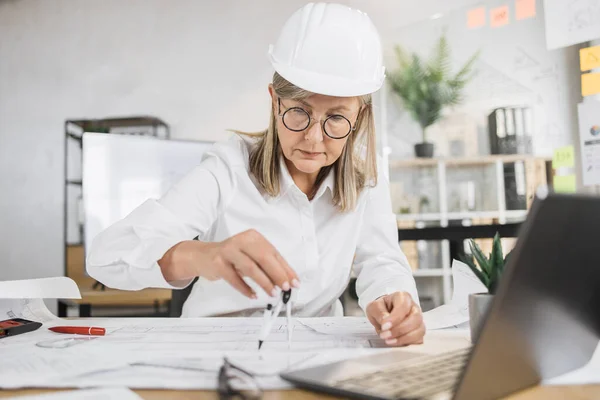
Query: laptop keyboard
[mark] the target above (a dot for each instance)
(412, 379)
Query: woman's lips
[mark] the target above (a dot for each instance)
(310, 154)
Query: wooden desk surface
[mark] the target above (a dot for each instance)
(110, 297)
(589, 392)
(113, 297)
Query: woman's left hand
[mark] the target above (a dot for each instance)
(397, 319)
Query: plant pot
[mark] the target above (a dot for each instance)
(479, 304)
(424, 150)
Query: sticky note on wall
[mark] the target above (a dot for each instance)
(564, 184)
(589, 58)
(476, 18)
(524, 9)
(499, 17)
(563, 157)
(590, 84)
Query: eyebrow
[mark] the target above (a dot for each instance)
(337, 108)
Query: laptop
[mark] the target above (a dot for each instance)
(544, 321)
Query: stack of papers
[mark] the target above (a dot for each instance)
(24, 298)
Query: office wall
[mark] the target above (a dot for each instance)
(514, 68)
(199, 65)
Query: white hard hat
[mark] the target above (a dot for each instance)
(330, 49)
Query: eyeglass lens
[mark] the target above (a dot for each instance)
(335, 126)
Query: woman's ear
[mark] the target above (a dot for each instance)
(273, 98)
(273, 95)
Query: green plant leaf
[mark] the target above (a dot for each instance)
(497, 258)
(463, 73)
(496, 263)
(440, 66)
(481, 258)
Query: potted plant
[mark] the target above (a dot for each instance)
(426, 87)
(489, 270)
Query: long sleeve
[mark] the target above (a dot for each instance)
(125, 255)
(381, 266)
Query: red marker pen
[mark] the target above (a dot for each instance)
(79, 330)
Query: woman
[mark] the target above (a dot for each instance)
(297, 205)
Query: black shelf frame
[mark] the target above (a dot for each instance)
(456, 233)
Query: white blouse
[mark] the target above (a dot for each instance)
(219, 199)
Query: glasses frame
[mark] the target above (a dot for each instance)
(311, 119)
(226, 391)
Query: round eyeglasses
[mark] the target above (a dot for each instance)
(298, 119)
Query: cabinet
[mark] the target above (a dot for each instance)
(446, 193)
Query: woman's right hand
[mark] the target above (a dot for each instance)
(247, 254)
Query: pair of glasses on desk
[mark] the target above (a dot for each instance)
(233, 382)
(230, 376)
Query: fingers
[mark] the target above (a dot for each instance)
(230, 275)
(377, 312)
(404, 325)
(405, 332)
(413, 337)
(399, 304)
(267, 258)
(245, 266)
(294, 280)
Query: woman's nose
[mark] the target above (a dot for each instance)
(314, 133)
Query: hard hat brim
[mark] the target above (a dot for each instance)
(327, 85)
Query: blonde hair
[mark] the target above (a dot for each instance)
(354, 169)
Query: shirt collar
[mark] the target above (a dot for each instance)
(286, 181)
(327, 183)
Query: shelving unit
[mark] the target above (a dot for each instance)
(73, 213)
(490, 171)
(431, 272)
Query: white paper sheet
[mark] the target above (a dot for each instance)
(23, 298)
(589, 143)
(167, 353)
(455, 313)
(45, 367)
(87, 394)
(348, 326)
(586, 375)
(31, 309)
(44, 288)
(570, 22)
(202, 372)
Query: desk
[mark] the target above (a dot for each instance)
(435, 341)
(113, 298)
(75, 269)
(590, 392)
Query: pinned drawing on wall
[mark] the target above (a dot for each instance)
(499, 17)
(590, 84)
(524, 9)
(589, 58)
(589, 140)
(570, 22)
(476, 18)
